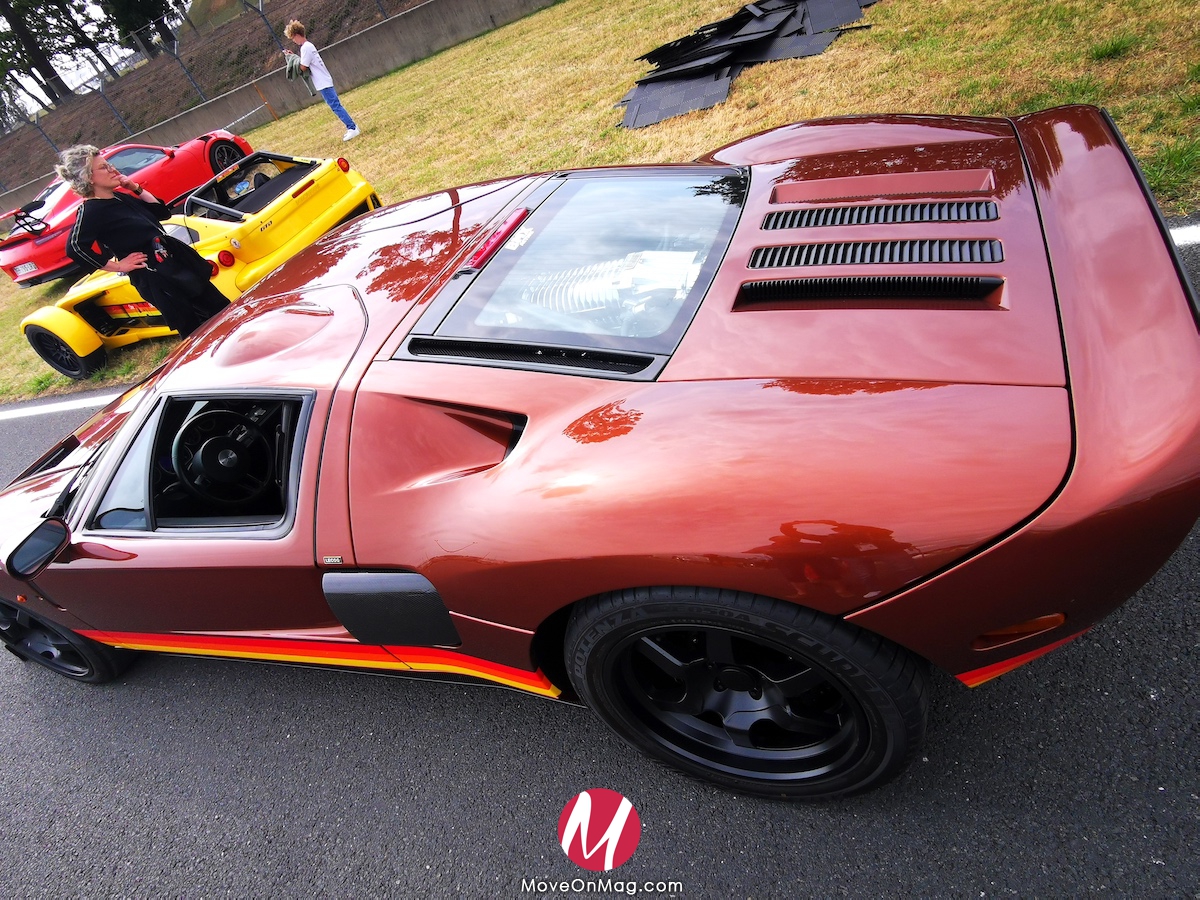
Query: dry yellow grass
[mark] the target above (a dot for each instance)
(540, 94)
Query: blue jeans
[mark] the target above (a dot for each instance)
(335, 104)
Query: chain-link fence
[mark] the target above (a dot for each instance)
(177, 68)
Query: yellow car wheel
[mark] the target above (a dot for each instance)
(60, 357)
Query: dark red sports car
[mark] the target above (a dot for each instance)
(731, 452)
(35, 250)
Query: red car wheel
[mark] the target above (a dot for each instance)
(223, 154)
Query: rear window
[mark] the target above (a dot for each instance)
(609, 260)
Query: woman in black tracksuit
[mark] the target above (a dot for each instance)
(165, 271)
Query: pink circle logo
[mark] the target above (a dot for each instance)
(599, 830)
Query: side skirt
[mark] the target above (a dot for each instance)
(394, 659)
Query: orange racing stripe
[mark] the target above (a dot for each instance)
(976, 677)
(430, 659)
(331, 653)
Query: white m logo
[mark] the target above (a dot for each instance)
(581, 817)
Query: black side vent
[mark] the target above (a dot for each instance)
(875, 252)
(532, 354)
(935, 290)
(883, 214)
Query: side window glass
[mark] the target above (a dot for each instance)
(124, 503)
(207, 463)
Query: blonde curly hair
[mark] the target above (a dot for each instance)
(293, 28)
(75, 168)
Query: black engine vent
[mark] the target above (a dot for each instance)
(883, 214)
(532, 354)
(875, 252)
(937, 290)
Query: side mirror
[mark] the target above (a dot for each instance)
(35, 552)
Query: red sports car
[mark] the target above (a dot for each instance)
(731, 452)
(35, 250)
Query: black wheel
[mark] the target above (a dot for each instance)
(60, 357)
(221, 457)
(222, 155)
(754, 694)
(59, 649)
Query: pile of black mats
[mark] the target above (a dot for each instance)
(695, 72)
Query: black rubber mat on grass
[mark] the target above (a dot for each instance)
(696, 71)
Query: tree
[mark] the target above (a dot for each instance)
(12, 110)
(132, 16)
(181, 7)
(13, 85)
(33, 54)
(68, 18)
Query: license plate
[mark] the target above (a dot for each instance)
(25, 268)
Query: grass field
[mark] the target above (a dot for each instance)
(540, 94)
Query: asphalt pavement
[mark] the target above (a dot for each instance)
(1077, 774)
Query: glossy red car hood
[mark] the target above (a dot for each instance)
(396, 254)
(302, 323)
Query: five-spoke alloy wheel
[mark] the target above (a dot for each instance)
(222, 154)
(761, 696)
(32, 639)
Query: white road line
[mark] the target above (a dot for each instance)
(46, 409)
(1183, 237)
(1186, 236)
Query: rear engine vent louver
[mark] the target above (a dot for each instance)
(882, 214)
(949, 291)
(532, 354)
(875, 252)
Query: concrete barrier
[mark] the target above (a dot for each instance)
(403, 39)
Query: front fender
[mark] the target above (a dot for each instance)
(75, 333)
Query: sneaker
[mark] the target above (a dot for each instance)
(352, 133)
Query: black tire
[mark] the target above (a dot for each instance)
(32, 639)
(60, 357)
(756, 695)
(223, 154)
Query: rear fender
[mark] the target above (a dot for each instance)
(75, 333)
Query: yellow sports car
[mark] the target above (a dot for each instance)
(245, 222)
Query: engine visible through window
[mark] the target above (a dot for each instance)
(612, 260)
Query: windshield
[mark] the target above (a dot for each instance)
(65, 503)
